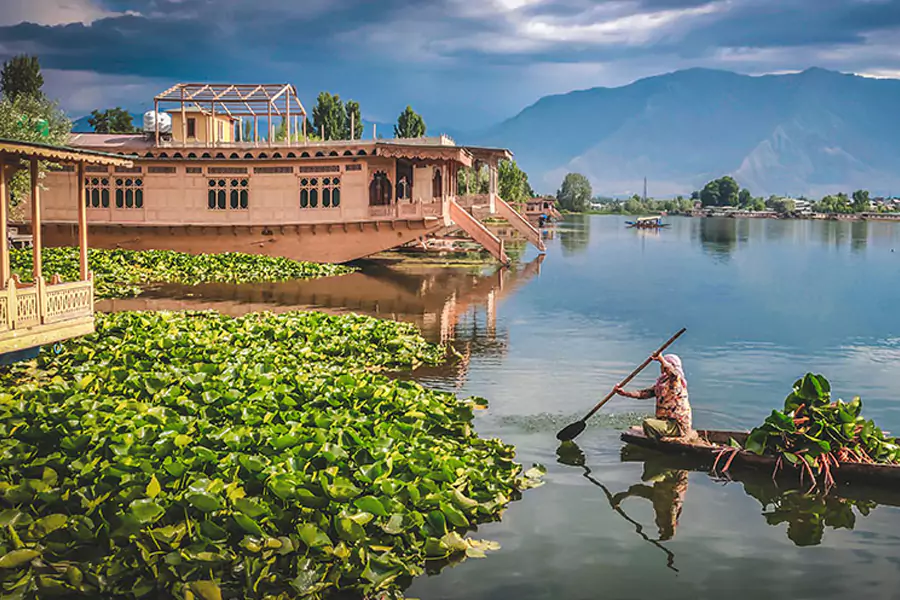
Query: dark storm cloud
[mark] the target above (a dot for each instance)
(500, 49)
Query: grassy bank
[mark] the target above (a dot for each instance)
(122, 273)
(200, 456)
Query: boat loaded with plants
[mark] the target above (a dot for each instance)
(193, 455)
(823, 440)
(123, 273)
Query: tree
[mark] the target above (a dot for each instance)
(860, 200)
(757, 204)
(112, 120)
(354, 119)
(784, 205)
(31, 119)
(745, 198)
(330, 117)
(728, 191)
(709, 195)
(409, 124)
(575, 193)
(513, 182)
(21, 75)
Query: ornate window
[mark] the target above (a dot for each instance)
(380, 189)
(331, 192)
(96, 192)
(309, 192)
(228, 194)
(129, 192)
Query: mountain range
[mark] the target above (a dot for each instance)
(811, 133)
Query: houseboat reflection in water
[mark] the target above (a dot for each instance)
(449, 305)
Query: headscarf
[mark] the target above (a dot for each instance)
(673, 361)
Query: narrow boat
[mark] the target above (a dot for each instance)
(711, 443)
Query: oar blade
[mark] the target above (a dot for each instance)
(570, 432)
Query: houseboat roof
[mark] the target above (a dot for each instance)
(655, 218)
(197, 109)
(54, 153)
(409, 148)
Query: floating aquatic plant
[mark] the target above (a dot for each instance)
(121, 273)
(194, 455)
(815, 434)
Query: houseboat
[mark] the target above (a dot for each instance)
(542, 210)
(46, 309)
(231, 168)
(647, 223)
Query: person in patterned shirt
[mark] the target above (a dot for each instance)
(673, 411)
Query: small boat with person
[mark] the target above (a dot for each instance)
(654, 222)
(712, 447)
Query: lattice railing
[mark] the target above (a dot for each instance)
(66, 301)
(27, 311)
(433, 209)
(382, 211)
(23, 306)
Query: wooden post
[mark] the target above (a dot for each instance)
(352, 126)
(4, 217)
(82, 224)
(269, 124)
(287, 117)
(255, 129)
(184, 122)
(303, 124)
(36, 219)
(212, 119)
(156, 119)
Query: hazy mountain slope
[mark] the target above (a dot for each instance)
(801, 133)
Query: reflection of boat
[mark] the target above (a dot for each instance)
(807, 515)
(712, 442)
(647, 223)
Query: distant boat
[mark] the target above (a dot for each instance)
(647, 223)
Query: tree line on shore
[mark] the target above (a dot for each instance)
(576, 195)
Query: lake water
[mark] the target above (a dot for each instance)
(764, 301)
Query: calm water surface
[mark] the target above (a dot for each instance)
(764, 302)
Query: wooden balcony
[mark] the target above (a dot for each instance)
(41, 313)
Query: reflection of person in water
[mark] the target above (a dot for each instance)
(666, 494)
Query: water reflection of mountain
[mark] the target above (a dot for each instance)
(807, 516)
(449, 305)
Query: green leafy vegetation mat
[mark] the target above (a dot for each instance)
(815, 434)
(193, 455)
(121, 273)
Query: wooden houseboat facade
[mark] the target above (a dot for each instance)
(201, 187)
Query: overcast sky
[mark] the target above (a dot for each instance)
(462, 63)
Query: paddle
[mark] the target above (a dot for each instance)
(570, 432)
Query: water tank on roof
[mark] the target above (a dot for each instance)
(150, 119)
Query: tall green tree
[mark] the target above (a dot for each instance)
(410, 124)
(745, 198)
(575, 193)
(709, 195)
(354, 120)
(330, 117)
(112, 120)
(729, 191)
(861, 201)
(513, 182)
(21, 76)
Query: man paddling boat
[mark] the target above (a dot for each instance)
(673, 411)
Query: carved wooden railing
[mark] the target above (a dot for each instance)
(65, 301)
(433, 209)
(386, 210)
(28, 305)
(4, 311)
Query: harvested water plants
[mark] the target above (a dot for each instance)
(194, 455)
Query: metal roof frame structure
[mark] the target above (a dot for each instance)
(237, 100)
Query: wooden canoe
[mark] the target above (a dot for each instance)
(713, 441)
